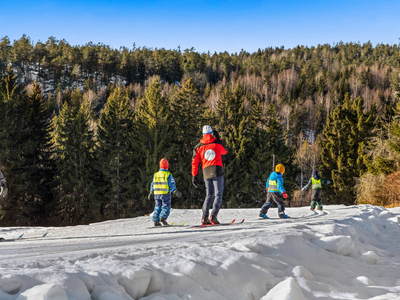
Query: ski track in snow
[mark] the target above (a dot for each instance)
(344, 252)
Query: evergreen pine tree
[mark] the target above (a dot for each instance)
(345, 135)
(16, 150)
(116, 154)
(88, 84)
(155, 138)
(222, 106)
(74, 145)
(187, 111)
(5, 47)
(237, 131)
(41, 163)
(266, 142)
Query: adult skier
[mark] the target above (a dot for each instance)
(162, 187)
(275, 193)
(209, 152)
(316, 182)
(3, 186)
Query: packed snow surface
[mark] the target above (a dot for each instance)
(341, 253)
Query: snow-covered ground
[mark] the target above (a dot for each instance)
(340, 253)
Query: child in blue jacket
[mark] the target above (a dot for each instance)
(275, 193)
(162, 187)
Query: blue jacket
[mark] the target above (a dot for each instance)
(171, 183)
(279, 180)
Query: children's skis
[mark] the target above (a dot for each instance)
(21, 238)
(166, 226)
(9, 240)
(288, 218)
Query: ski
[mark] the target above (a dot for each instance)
(282, 218)
(208, 225)
(221, 224)
(22, 238)
(166, 226)
(7, 240)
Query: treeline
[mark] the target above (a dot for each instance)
(83, 127)
(305, 83)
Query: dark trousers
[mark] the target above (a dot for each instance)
(316, 198)
(214, 191)
(273, 197)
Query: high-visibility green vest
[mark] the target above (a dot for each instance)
(273, 186)
(160, 183)
(316, 184)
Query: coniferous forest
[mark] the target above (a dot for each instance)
(83, 128)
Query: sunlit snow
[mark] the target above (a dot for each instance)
(340, 253)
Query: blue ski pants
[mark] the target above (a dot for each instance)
(214, 191)
(163, 207)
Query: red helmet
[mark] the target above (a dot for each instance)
(164, 164)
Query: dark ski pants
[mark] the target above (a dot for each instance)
(316, 198)
(273, 197)
(214, 191)
(163, 207)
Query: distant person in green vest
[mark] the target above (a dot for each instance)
(316, 182)
(3, 186)
(162, 187)
(275, 193)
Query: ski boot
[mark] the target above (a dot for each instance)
(312, 208)
(157, 224)
(263, 215)
(206, 221)
(164, 221)
(214, 220)
(320, 208)
(283, 216)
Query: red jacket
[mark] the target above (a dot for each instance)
(209, 152)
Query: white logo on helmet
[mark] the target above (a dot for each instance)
(209, 155)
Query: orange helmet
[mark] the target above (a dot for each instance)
(164, 164)
(280, 169)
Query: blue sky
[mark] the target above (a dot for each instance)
(205, 25)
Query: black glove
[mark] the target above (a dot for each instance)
(216, 134)
(149, 196)
(177, 193)
(195, 181)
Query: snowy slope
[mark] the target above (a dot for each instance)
(341, 253)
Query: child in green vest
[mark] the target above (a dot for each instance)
(162, 187)
(316, 182)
